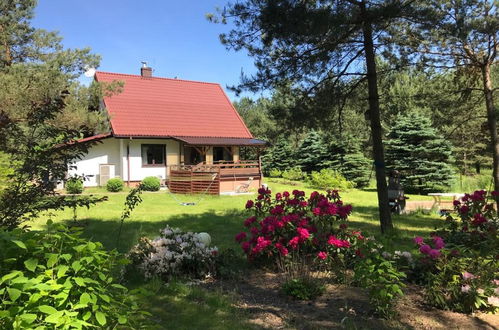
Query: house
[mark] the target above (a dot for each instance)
(187, 133)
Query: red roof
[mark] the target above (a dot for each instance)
(162, 107)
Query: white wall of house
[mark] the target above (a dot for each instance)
(114, 152)
(106, 152)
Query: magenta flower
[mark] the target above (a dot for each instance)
(241, 237)
(438, 242)
(418, 240)
(303, 233)
(293, 243)
(467, 276)
(434, 254)
(249, 204)
(322, 255)
(425, 249)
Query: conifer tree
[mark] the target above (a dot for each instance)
(345, 156)
(280, 156)
(312, 152)
(419, 153)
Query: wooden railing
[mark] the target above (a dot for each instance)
(204, 177)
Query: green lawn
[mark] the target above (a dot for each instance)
(181, 307)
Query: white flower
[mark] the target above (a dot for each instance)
(465, 288)
(386, 255)
(480, 291)
(493, 300)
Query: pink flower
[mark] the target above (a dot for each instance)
(282, 249)
(465, 288)
(241, 237)
(322, 255)
(338, 242)
(493, 300)
(249, 204)
(293, 243)
(425, 249)
(245, 246)
(438, 242)
(278, 196)
(464, 209)
(316, 211)
(418, 240)
(478, 219)
(278, 209)
(434, 254)
(456, 202)
(285, 194)
(467, 276)
(303, 233)
(249, 221)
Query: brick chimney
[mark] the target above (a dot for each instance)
(145, 71)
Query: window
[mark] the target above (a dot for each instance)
(153, 155)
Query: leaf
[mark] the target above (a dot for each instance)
(20, 244)
(47, 309)
(29, 318)
(11, 275)
(31, 264)
(14, 294)
(86, 316)
(52, 260)
(122, 319)
(62, 271)
(101, 318)
(85, 299)
(118, 286)
(76, 266)
(79, 281)
(54, 318)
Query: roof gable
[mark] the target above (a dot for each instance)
(162, 107)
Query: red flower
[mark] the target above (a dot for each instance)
(303, 233)
(249, 204)
(285, 194)
(249, 221)
(245, 246)
(316, 211)
(241, 237)
(293, 243)
(282, 249)
(338, 242)
(478, 219)
(322, 255)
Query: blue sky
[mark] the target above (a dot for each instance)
(174, 37)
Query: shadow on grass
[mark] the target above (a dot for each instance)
(221, 226)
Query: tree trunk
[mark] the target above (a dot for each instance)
(374, 116)
(492, 124)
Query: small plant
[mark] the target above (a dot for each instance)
(329, 179)
(383, 281)
(114, 185)
(151, 183)
(303, 289)
(74, 186)
(275, 173)
(293, 174)
(132, 200)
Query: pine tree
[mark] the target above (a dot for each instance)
(345, 156)
(312, 152)
(419, 153)
(280, 156)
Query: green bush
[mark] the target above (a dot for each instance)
(56, 279)
(328, 179)
(293, 174)
(114, 185)
(303, 289)
(74, 186)
(275, 173)
(151, 183)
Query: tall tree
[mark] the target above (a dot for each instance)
(317, 43)
(463, 34)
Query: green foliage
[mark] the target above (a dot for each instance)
(275, 173)
(383, 281)
(279, 157)
(328, 179)
(131, 201)
(419, 153)
(312, 152)
(345, 156)
(448, 288)
(303, 289)
(150, 183)
(114, 185)
(74, 186)
(293, 174)
(54, 278)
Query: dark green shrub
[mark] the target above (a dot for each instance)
(151, 183)
(74, 186)
(114, 185)
(303, 289)
(56, 279)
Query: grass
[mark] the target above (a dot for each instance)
(178, 306)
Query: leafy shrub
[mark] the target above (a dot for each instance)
(54, 278)
(275, 173)
(151, 183)
(303, 289)
(74, 186)
(328, 179)
(383, 281)
(459, 264)
(173, 253)
(293, 174)
(114, 185)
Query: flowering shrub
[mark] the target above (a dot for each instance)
(459, 264)
(173, 253)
